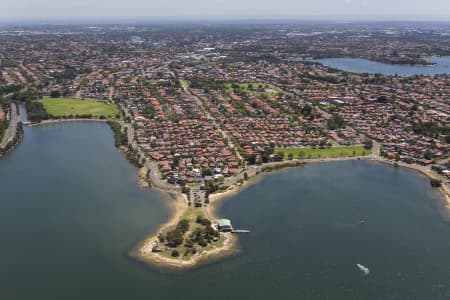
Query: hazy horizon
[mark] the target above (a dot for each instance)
(85, 10)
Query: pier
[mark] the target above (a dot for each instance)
(224, 225)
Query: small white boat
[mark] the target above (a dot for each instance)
(364, 269)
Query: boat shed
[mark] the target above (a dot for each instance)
(224, 225)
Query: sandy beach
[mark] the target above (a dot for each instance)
(143, 177)
(145, 255)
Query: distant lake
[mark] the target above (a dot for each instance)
(70, 211)
(359, 65)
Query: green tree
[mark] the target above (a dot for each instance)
(435, 182)
(188, 243)
(368, 144)
(428, 154)
(55, 94)
(335, 122)
(174, 238)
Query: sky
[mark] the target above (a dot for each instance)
(215, 9)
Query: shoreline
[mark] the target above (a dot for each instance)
(143, 180)
(427, 173)
(10, 140)
(142, 251)
(12, 145)
(54, 121)
(236, 188)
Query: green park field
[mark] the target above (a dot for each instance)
(255, 85)
(68, 107)
(323, 153)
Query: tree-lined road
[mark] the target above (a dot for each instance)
(11, 131)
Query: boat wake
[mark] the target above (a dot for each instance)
(364, 269)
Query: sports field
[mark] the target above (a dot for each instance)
(68, 107)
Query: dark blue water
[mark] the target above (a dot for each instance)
(359, 65)
(70, 211)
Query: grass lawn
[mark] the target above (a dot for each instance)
(268, 91)
(192, 212)
(185, 82)
(59, 107)
(324, 153)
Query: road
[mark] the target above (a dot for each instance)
(251, 171)
(152, 166)
(129, 127)
(376, 150)
(155, 177)
(224, 133)
(375, 147)
(11, 131)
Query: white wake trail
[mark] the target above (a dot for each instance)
(364, 269)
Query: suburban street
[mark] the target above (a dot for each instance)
(225, 134)
(155, 177)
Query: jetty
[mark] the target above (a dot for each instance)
(240, 231)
